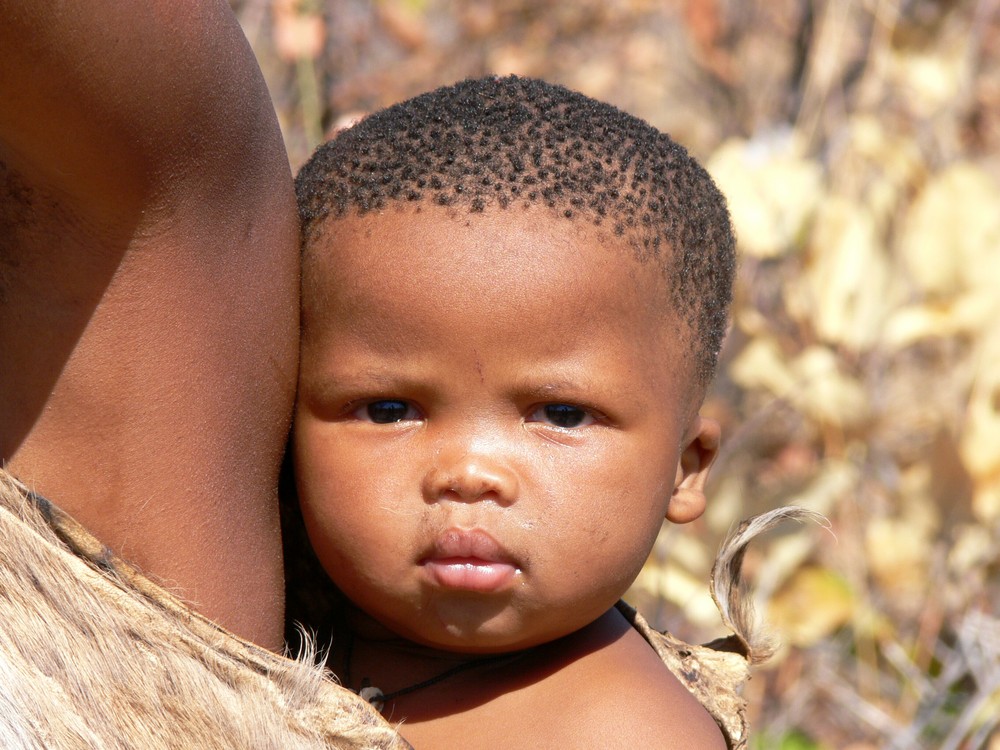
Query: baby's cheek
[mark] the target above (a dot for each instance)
(626, 536)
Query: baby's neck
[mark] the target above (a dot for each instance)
(369, 656)
(419, 683)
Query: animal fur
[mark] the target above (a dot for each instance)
(93, 655)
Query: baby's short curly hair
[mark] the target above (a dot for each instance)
(503, 143)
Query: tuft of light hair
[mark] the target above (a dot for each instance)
(731, 593)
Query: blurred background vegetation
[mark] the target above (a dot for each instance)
(858, 143)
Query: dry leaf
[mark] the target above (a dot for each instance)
(725, 504)
(898, 552)
(690, 551)
(405, 21)
(986, 500)
(598, 77)
(878, 167)
(812, 381)
(298, 33)
(785, 556)
(974, 548)
(895, 155)
(814, 604)
(824, 392)
(971, 312)
(951, 237)
(761, 366)
(836, 479)
(980, 442)
(849, 276)
(931, 78)
(772, 192)
(512, 59)
(672, 583)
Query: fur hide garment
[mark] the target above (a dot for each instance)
(94, 655)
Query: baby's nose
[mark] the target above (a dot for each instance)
(471, 477)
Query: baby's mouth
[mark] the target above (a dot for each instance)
(469, 560)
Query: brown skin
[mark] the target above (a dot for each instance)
(148, 291)
(600, 687)
(468, 329)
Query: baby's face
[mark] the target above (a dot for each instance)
(490, 416)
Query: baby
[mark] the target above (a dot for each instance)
(513, 301)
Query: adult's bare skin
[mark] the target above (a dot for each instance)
(149, 290)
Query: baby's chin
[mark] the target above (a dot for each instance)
(503, 633)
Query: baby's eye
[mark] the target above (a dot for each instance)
(386, 411)
(562, 415)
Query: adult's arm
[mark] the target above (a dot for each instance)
(149, 290)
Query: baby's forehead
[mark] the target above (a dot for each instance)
(512, 257)
(408, 232)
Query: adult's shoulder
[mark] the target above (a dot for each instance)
(111, 104)
(148, 288)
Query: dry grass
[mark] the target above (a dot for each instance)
(859, 145)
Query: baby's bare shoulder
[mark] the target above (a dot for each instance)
(622, 695)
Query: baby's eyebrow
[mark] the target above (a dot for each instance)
(581, 385)
(368, 380)
(550, 386)
(376, 375)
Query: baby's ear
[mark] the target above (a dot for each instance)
(699, 451)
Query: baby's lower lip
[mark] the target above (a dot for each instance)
(470, 573)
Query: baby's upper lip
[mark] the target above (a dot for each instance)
(469, 544)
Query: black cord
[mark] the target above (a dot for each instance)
(378, 699)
